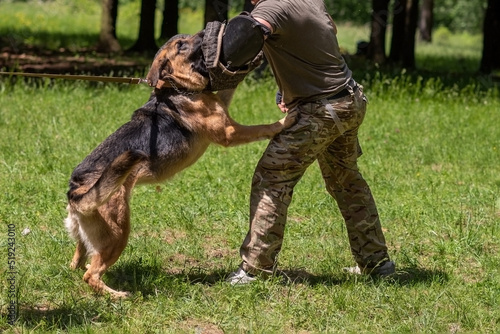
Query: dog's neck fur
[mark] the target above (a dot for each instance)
(166, 91)
(170, 85)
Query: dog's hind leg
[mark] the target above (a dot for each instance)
(101, 260)
(80, 256)
(72, 223)
(108, 234)
(99, 263)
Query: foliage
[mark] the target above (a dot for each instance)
(358, 12)
(191, 4)
(460, 15)
(70, 25)
(456, 15)
(235, 5)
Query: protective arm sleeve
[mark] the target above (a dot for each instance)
(243, 39)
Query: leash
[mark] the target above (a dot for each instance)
(132, 81)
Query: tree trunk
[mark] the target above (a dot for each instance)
(491, 30)
(398, 30)
(146, 41)
(216, 10)
(403, 33)
(410, 34)
(170, 22)
(107, 36)
(376, 47)
(426, 20)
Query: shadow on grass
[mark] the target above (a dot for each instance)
(25, 40)
(403, 276)
(63, 317)
(150, 278)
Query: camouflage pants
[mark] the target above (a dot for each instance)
(317, 135)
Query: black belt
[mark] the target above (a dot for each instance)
(342, 93)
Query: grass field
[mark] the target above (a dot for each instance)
(431, 155)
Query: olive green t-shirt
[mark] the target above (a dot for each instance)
(303, 50)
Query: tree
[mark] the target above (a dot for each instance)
(491, 30)
(108, 42)
(146, 41)
(403, 33)
(376, 47)
(216, 10)
(398, 33)
(170, 22)
(426, 21)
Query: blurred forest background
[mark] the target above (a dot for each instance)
(393, 29)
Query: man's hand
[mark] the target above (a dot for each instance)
(280, 103)
(290, 119)
(283, 107)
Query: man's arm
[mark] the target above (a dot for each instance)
(264, 23)
(279, 97)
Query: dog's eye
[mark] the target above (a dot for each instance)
(181, 46)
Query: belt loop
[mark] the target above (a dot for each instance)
(334, 115)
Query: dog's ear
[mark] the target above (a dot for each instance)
(160, 68)
(154, 72)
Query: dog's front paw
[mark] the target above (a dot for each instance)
(290, 119)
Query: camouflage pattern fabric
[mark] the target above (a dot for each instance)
(315, 136)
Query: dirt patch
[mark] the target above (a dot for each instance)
(201, 327)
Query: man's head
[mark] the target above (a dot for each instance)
(254, 2)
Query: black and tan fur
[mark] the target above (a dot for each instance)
(167, 134)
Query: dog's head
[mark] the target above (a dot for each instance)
(180, 60)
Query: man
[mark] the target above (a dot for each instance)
(315, 83)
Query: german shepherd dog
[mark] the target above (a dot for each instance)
(167, 134)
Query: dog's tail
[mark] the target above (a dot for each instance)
(86, 200)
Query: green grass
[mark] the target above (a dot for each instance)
(431, 156)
